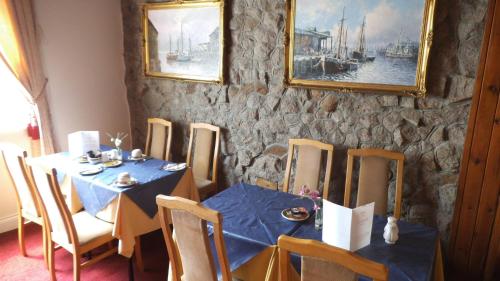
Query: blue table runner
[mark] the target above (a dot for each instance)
(97, 191)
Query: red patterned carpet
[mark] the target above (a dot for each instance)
(13, 266)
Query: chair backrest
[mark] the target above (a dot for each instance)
(204, 144)
(308, 165)
(322, 262)
(373, 183)
(191, 242)
(159, 138)
(55, 212)
(15, 162)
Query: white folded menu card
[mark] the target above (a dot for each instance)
(82, 141)
(347, 228)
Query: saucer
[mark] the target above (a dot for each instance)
(112, 164)
(131, 182)
(295, 214)
(91, 171)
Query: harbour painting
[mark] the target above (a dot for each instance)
(184, 41)
(360, 44)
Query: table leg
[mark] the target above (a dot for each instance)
(130, 269)
(138, 254)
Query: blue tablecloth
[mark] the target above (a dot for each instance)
(97, 191)
(252, 220)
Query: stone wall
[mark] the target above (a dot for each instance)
(258, 114)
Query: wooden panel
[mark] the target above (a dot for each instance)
(478, 183)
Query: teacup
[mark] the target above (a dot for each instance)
(123, 178)
(136, 153)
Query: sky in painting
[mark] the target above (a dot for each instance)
(385, 19)
(197, 24)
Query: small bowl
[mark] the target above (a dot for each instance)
(94, 160)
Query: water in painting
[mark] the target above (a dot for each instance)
(185, 41)
(362, 41)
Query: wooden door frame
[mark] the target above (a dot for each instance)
(478, 191)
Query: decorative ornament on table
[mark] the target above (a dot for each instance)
(305, 191)
(117, 141)
(391, 230)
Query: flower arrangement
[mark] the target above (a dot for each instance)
(305, 191)
(118, 140)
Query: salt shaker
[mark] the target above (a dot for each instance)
(391, 231)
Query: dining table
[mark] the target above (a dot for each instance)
(131, 209)
(252, 224)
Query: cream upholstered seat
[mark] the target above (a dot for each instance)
(78, 234)
(203, 155)
(159, 138)
(190, 252)
(87, 229)
(27, 203)
(373, 181)
(308, 165)
(322, 262)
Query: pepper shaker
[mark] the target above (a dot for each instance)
(391, 231)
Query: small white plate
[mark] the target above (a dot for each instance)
(295, 214)
(132, 181)
(144, 156)
(112, 164)
(91, 171)
(174, 167)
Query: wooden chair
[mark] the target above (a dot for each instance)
(308, 165)
(189, 252)
(78, 233)
(374, 178)
(266, 184)
(322, 262)
(27, 203)
(159, 138)
(202, 157)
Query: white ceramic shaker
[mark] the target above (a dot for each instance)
(391, 231)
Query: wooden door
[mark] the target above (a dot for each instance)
(474, 245)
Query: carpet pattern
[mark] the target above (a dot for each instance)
(15, 267)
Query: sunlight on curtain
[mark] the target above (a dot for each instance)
(15, 109)
(9, 45)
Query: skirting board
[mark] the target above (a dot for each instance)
(8, 223)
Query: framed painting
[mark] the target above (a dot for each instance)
(359, 45)
(184, 40)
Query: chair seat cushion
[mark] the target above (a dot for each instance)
(87, 227)
(203, 183)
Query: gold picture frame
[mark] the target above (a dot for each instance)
(203, 62)
(332, 64)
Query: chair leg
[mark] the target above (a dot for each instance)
(45, 247)
(138, 254)
(76, 267)
(20, 234)
(52, 269)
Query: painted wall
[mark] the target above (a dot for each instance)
(82, 50)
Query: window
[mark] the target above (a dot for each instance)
(15, 109)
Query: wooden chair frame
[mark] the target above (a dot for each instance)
(292, 143)
(23, 216)
(381, 153)
(74, 246)
(168, 141)
(317, 249)
(215, 160)
(166, 203)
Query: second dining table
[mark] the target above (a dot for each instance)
(253, 223)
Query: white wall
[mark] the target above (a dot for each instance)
(82, 51)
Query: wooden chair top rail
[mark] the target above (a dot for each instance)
(196, 208)
(205, 126)
(315, 143)
(374, 152)
(159, 121)
(317, 249)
